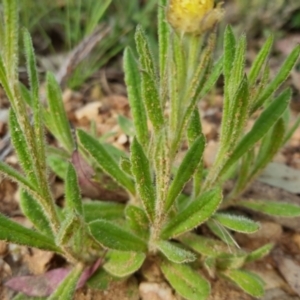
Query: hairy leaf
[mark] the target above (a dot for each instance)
(34, 212)
(186, 282)
(247, 281)
(194, 214)
(105, 160)
(114, 237)
(73, 199)
(279, 78)
(175, 253)
(186, 170)
(137, 220)
(259, 253)
(122, 264)
(94, 210)
(150, 94)
(236, 223)
(140, 169)
(203, 245)
(133, 83)
(260, 59)
(262, 125)
(272, 208)
(12, 232)
(56, 117)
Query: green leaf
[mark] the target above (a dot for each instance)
(260, 60)
(186, 282)
(229, 51)
(133, 84)
(101, 280)
(186, 170)
(221, 232)
(73, 199)
(236, 223)
(269, 147)
(174, 253)
(11, 38)
(19, 142)
(229, 55)
(291, 131)
(272, 208)
(67, 287)
(163, 37)
(68, 228)
(114, 237)
(15, 176)
(212, 77)
(150, 94)
(36, 106)
(203, 245)
(262, 125)
(125, 165)
(195, 127)
(230, 261)
(126, 125)
(194, 214)
(237, 69)
(247, 281)
(12, 232)
(238, 114)
(102, 210)
(195, 130)
(105, 160)
(140, 169)
(137, 220)
(58, 165)
(4, 80)
(122, 264)
(56, 116)
(281, 76)
(34, 212)
(259, 253)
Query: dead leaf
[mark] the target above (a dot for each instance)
(45, 284)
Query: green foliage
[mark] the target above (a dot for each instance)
(122, 264)
(158, 219)
(187, 282)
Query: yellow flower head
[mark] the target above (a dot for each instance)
(193, 16)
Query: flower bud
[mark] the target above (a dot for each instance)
(193, 16)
